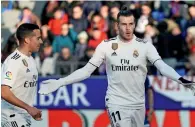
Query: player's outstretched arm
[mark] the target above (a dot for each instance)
(172, 74)
(52, 85)
(8, 96)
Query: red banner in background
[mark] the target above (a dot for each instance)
(99, 118)
(174, 105)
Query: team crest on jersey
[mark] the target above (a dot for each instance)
(24, 62)
(135, 54)
(8, 75)
(114, 47)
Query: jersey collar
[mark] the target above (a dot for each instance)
(133, 39)
(25, 56)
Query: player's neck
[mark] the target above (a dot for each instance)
(24, 51)
(124, 40)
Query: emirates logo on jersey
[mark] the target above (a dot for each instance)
(135, 54)
(114, 47)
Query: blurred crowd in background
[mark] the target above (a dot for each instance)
(71, 30)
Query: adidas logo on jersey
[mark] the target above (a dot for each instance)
(27, 70)
(15, 56)
(114, 54)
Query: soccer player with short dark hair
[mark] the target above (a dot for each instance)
(19, 79)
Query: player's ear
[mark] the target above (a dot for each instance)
(27, 40)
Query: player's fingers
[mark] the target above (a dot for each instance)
(38, 119)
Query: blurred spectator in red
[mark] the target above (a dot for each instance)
(48, 11)
(29, 17)
(81, 44)
(97, 21)
(55, 24)
(66, 62)
(67, 39)
(78, 20)
(97, 37)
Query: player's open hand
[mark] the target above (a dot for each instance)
(35, 113)
(49, 86)
(188, 84)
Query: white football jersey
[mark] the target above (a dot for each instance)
(126, 69)
(19, 72)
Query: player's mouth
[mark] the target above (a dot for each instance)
(128, 34)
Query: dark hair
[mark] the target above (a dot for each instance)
(25, 8)
(125, 11)
(25, 30)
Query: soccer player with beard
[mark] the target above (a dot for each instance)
(126, 59)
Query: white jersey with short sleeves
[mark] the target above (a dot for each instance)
(19, 72)
(126, 69)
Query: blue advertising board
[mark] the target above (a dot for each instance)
(90, 93)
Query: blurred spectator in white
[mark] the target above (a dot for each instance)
(67, 39)
(27, 3)
(65, 63)
(10, 15)
(144, 19)
(55, 23)
(151, 34)
(97, 37)
(78, 20)
(81, 44)
(45, 60)
(28, 16)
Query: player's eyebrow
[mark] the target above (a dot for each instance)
(39, 37)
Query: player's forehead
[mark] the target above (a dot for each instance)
(126, 19)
